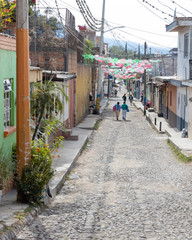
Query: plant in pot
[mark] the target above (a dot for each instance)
(6, 168)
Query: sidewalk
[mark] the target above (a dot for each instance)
(13, 215)
(162, 126)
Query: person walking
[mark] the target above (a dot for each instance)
(117, 109)
(115, 92)
(131, 99)
(125, 109)
(124, 98)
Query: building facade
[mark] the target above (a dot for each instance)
(7, 96)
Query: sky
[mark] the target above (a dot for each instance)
(139, 21)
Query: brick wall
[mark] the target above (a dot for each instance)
(7, 42)
(55, 60)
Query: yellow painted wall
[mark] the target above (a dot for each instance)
(35, 74)
(83, 88)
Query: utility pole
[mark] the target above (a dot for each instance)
(67, 43)
(145, 85)
(23, 87)
(99, 67)
(139, 53)
(35, 36)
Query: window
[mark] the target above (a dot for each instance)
(170, 98)
(186, 44)
(7, 102)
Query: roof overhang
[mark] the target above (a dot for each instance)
(178, 24)
(176, 83)
(60, 76)
(164, 79)
(187, 83)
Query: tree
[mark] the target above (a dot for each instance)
(7, 13)
(88, 47)
(44, 99)
(121, 52)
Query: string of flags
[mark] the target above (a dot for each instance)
(122, 68)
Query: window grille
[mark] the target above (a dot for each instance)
(7, 102)
(186, 44)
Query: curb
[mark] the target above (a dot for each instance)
(15, 228)
(10, 232)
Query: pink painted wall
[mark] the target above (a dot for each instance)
(71, 102)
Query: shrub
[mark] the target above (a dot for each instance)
(35, 176)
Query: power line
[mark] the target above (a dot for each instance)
(157, 8)
(136, 29)
(169, 7)
(164, 19)
(86, 15)
(181, 7)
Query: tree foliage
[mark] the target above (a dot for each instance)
(88, 47)
(45, 101)
(7, 13)
(121, 52)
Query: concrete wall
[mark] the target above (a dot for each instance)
(35, 75)
(183, 62)
(68, 114)
(190, 113)
(83, 88)
(72, 61)
(182, 108)
(72, 102)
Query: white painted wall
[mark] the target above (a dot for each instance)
(190, 113)
(182, 107)
(65, 114)
(183, 62)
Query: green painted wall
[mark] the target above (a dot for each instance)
(7, 70)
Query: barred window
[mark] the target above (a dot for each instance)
(186, 44)
(7, 102)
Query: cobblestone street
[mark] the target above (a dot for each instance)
(127, 184)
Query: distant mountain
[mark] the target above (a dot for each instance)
(134, 46)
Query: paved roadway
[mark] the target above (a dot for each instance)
(126, 185)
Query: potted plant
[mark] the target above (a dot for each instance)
(6, 168)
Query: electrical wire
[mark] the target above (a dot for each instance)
(136, 29)
(157, 8)
(181, 7)
(170, 8)
(164, 19)
(85, 16)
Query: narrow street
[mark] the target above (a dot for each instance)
(126, 185)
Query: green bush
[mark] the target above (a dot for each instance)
(35, 176)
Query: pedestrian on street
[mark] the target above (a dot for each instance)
(117, 109)
(124, 98)
(115, 92)
(131, 99)
(125, 109)
(119, 87)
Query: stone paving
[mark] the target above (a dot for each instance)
(126, 185)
